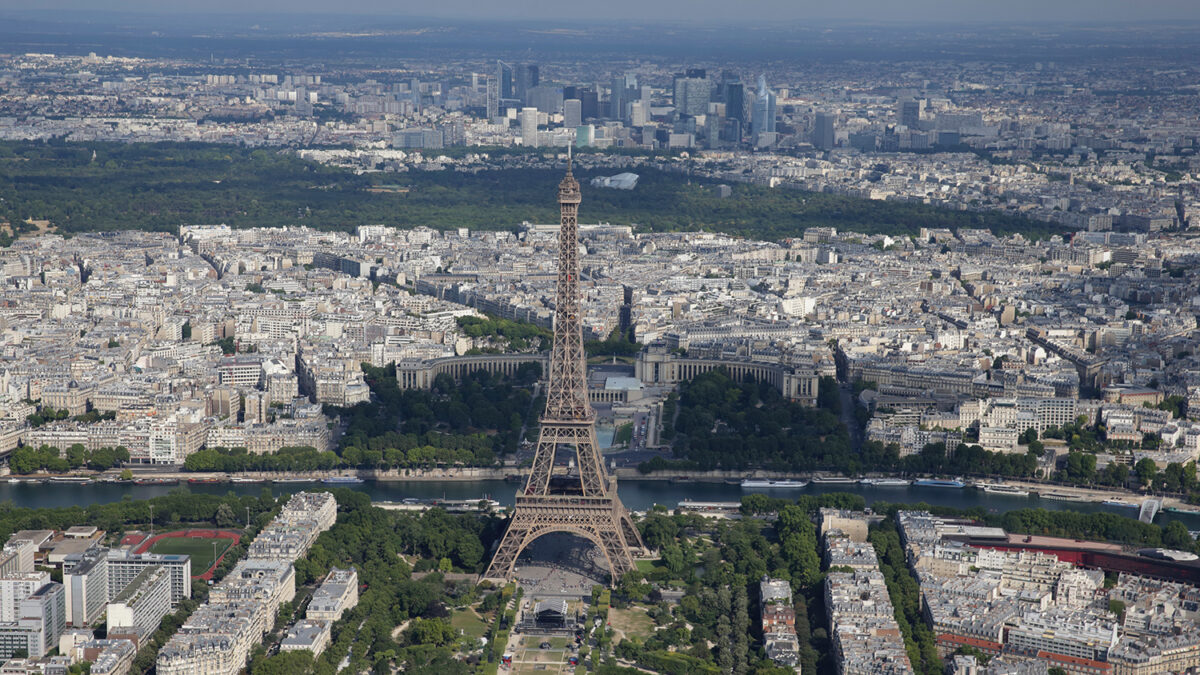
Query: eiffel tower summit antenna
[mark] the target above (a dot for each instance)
(555, 499)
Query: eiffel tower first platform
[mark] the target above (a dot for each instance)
(585, 502)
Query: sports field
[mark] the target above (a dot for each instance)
(204, 546)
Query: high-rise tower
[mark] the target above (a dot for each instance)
(763, 118)
(583, 502)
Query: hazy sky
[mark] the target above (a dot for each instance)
(748, 11)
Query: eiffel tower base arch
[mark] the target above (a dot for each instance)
(600, 520)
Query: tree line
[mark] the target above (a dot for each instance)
(28, 459)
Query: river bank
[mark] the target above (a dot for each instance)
(476, 481)
(1056, 491)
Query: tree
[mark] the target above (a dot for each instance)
(294, 662)
(1081, 467)
(224, 516)
(1175, 535)
(435, 632)
(1145, 470)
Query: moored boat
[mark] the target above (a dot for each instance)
(1001, 489)
(939, 483)
(768, 484)
(832, 480)
(885, 482)
(341, 480)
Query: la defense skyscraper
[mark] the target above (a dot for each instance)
(555, 499)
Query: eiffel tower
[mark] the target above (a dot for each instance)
(554, 500)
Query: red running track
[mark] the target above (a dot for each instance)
(195, 534)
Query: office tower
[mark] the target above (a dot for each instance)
(697, 73)
(691, 96)
(582, 502)
(712, 130)
(731, 131)
(546, 99)
(822, 134)
(763, 119)
(735, 101)
(623, 92)
(639, 112)
(504, 79)
(527, 77)
(572, 113)
(529, 127)
(585, 136)
(910, 112)
(589, 103)
(493, 99)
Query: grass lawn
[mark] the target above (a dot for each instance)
(646, 566)
(199, 548)
(469, 623)
(631, 622)
(624, 434)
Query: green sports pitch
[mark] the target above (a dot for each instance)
(201, 550)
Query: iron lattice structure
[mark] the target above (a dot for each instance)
(585, 502)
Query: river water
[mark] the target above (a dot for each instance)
(636, 494)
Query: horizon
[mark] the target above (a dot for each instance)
(929, 13)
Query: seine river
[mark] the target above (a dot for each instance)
(637, 495)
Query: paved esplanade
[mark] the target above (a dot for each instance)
(583, 503)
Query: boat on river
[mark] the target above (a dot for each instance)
(885, 482)
(1001, 489)
(939, 483)
(1120, 502)
(342, 480)
(832, 480)
(763, 483)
